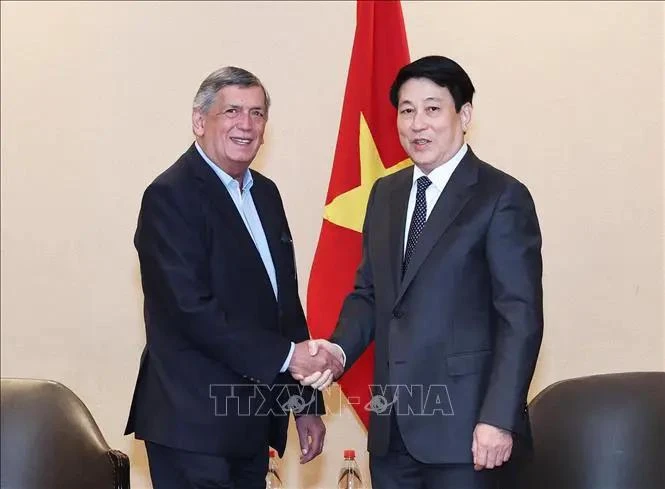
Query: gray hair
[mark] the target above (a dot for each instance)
(224, 77)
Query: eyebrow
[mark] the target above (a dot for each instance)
(428, 99)
(236, 106)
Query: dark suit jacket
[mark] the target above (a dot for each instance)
(465, 322)
(216, 337)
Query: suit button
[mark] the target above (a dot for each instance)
(398, 313)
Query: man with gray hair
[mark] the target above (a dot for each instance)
(225, 329)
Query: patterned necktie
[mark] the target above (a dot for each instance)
(417, 221)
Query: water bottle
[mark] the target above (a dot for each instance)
(273, 480)
(349, 475)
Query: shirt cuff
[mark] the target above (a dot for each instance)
(343, 354)
(288, 358)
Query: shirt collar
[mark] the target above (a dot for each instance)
(440, 175)
(227, 180)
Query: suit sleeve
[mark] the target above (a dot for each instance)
(175, 275)
(513, 251)
(356, 324)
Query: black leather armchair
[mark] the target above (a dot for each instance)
(598, 432)
(51, 441)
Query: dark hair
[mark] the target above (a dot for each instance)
(442, 71)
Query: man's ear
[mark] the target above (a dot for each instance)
(465, 115)
(198, 123)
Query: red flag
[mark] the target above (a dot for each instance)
(367, 148)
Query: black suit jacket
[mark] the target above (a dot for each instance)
(462, 329)
(216, 337)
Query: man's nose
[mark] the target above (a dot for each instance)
(418, 122)
(245, 121)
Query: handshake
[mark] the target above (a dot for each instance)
(316, 363)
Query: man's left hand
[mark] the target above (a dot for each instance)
(311, 432)
(491, 446)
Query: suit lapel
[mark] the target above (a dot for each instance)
(219, 195)
(399, 199)
(454, 197)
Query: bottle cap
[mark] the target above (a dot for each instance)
(349, 454)
(272, 453)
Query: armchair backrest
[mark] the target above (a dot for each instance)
(598, 432)
(51, 441)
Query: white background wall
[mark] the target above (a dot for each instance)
(96, 102)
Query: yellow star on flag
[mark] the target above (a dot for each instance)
(348, 209)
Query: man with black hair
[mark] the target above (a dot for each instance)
(450, 288)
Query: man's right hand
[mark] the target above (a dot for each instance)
(323, 378)
(304, 364)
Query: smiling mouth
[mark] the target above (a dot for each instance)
(242, 141)
(420, 141)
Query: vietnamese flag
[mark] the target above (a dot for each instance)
(367, 148)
